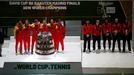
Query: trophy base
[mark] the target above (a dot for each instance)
(46, 52)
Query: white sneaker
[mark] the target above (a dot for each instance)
(62, 52)
(18, 53)
(57, 51)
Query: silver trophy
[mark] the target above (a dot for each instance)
(44, 44)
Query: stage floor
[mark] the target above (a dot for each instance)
(72, 53)
(107, 59)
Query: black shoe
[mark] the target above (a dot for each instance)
(129, 51)
(104, 50)
(112, 50)
(0, 55)
(89, 51)
(98, 51)
(123, 51)
(84, 50)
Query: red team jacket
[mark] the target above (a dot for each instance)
(53, 30)
(126, 29)
(87, 29)
(116, 28)
(60, 31)
(44, 28)
(106, 28)
(97, 30)
(18, 32)
(35, 31)
(26, 32)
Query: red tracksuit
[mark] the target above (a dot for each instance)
(53, 32)
(26, 33)
(35, 31)
(44, 28)
(18, 38)
(116, 31)
(60, 33)
(87, 30)
(106, 28)
(96, 35)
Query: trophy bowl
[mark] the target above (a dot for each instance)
(44, 44)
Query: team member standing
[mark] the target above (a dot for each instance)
(60, 32)
(43, 26)
(1, 42)
(116, 31)
(127, 31)
(53, 32)
(18, 36)
(97, 34)
(106, 31)
(87, 32)
(35, 30)
(26, 38)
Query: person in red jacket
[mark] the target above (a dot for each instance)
(87, 32)
(127, 31)
(60, 33)
(35, 30)
(97, 34)
(53, 32)
(116, 31)
(18, 36)
(106, 31)
(26, 38)
(43, 26)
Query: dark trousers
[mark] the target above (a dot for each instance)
(105, 38)
(96, 38)
(0, 49)
(116, 38)
(126, 38)
(85, 42)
